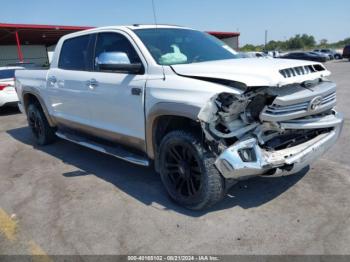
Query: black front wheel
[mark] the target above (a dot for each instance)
(41, 130)
(187, 171)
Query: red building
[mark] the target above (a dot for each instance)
(33, 43)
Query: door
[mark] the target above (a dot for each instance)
(117, 106)
(67, 85)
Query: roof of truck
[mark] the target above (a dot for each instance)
(150, 26)
(137, 26)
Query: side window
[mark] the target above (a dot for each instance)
(114, 42)
(76, 53)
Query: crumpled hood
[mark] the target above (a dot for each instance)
(255, 71)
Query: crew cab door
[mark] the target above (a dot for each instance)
(67, 84)
(117, 98)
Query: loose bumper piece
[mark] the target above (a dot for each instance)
(247, 158)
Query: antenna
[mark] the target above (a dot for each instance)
(156, 23)
(154, 13)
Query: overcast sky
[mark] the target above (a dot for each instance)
(283, 19)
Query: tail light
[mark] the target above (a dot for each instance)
(3, 86)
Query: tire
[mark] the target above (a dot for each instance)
(187, 171)
(42, 132)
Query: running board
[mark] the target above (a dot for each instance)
(116, 151)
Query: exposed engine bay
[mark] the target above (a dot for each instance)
(264, 113)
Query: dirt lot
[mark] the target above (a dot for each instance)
(65, 199)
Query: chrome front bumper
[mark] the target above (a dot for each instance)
(290, 160)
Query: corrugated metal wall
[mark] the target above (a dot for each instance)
(232, 42)
(36, 54)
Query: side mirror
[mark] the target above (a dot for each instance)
(117, 62)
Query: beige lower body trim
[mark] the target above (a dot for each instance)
(125, 140)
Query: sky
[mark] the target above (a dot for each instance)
(329, 19)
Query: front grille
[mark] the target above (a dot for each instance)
(301, 70)
(281, 110)
(277, 112)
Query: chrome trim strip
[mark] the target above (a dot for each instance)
(314, 123)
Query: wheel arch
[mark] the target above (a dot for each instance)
(165, 117)
(31, 97)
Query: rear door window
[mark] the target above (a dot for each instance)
(76, 53)
(7, 73)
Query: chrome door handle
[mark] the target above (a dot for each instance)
(136, 91)
(92, 83)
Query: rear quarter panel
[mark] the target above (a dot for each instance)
(31, 81)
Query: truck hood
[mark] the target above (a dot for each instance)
(255, 71)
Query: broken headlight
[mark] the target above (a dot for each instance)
(253, 109)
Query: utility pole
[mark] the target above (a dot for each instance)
(265, 38)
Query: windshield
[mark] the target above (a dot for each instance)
(170, 46)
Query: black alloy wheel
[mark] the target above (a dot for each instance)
(42, 132)
(188, 172)
(182, 169)
(35, 124)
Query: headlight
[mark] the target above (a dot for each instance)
(253, 109)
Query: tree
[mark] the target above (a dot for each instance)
(272, 45)
(249, 48)
(323, 42)
(295, 42)
(303, 41)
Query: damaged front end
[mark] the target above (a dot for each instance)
(271, 130)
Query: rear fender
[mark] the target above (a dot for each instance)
(26, 100)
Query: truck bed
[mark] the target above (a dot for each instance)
(34, 78)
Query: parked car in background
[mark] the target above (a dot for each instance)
(244, 55)
(273, 53)
(257, 55)
(337, 55)
(346, 52)
(8, 95)
(326, 56)
(310, 56)
(330, 52)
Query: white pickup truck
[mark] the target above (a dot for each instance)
(181, 99)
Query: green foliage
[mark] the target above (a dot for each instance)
(298, 42)
(340, 44)
(250, 48)
(323, 43)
